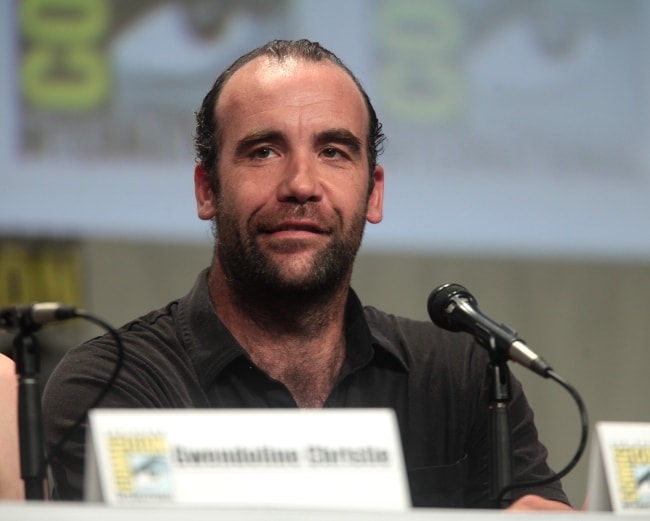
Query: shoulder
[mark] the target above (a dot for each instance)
(8, 385)
(438, 362)
(418, 340)
(7, 366)
(146, 351)
(141, 336)
(10, 482)
(164, 331)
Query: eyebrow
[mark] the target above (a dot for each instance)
(257, 137)
(341, 136)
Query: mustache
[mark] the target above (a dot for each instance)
(308, 212)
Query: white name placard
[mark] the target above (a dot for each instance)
(619, 469)
(243, 458)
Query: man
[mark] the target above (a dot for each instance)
(11, 484)
(287, 143)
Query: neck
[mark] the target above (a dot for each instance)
(296, 339)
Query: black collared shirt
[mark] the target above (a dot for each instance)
(183, 356)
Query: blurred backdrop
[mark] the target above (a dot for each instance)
(517, 165)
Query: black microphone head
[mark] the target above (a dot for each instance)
(441, 306)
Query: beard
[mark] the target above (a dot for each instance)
(252, 270)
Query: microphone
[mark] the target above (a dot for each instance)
(34, 315)
(453, 308)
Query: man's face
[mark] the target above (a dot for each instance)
(293, 176)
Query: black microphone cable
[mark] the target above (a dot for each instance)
(78, 313)
(582, 445)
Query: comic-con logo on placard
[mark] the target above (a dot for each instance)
(141, 467)
(633, 466)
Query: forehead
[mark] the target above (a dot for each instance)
(294, 86)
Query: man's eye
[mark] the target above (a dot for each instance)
(263, 153)
(331, 152)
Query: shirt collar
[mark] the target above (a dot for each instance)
(211, 346)
(362, 341)
(208, 342)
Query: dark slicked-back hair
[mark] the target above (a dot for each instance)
(208, 129)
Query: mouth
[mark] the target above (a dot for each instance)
(298, 227)
(294, 230)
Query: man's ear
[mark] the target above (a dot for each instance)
(375, 212)
(205, 200)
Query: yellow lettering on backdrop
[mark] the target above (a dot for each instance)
(40, 271)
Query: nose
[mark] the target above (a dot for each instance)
(300, 182)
